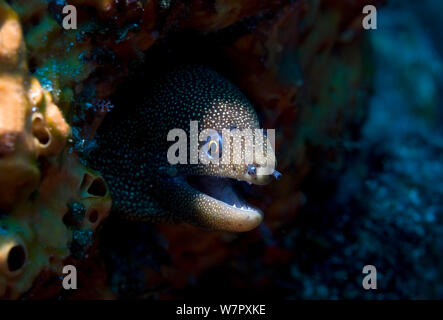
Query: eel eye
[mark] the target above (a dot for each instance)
(213, 146)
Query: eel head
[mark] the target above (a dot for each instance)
(208, 193)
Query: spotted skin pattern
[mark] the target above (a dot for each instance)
(132, 152)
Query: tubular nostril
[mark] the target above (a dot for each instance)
(277, 175)
(16, 258)
(252, 170)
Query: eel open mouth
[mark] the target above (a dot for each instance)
(225, 208)
(226, 190)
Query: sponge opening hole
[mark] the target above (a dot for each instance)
(98, 188)
(16, 258)
(40, 132)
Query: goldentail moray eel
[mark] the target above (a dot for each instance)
(133, 146)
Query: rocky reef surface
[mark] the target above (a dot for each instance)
(303, 64)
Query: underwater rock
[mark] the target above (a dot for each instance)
(305, 80)
(56, 86)
(306, 70)
(110, 40)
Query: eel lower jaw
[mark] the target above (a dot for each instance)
(230, 212)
